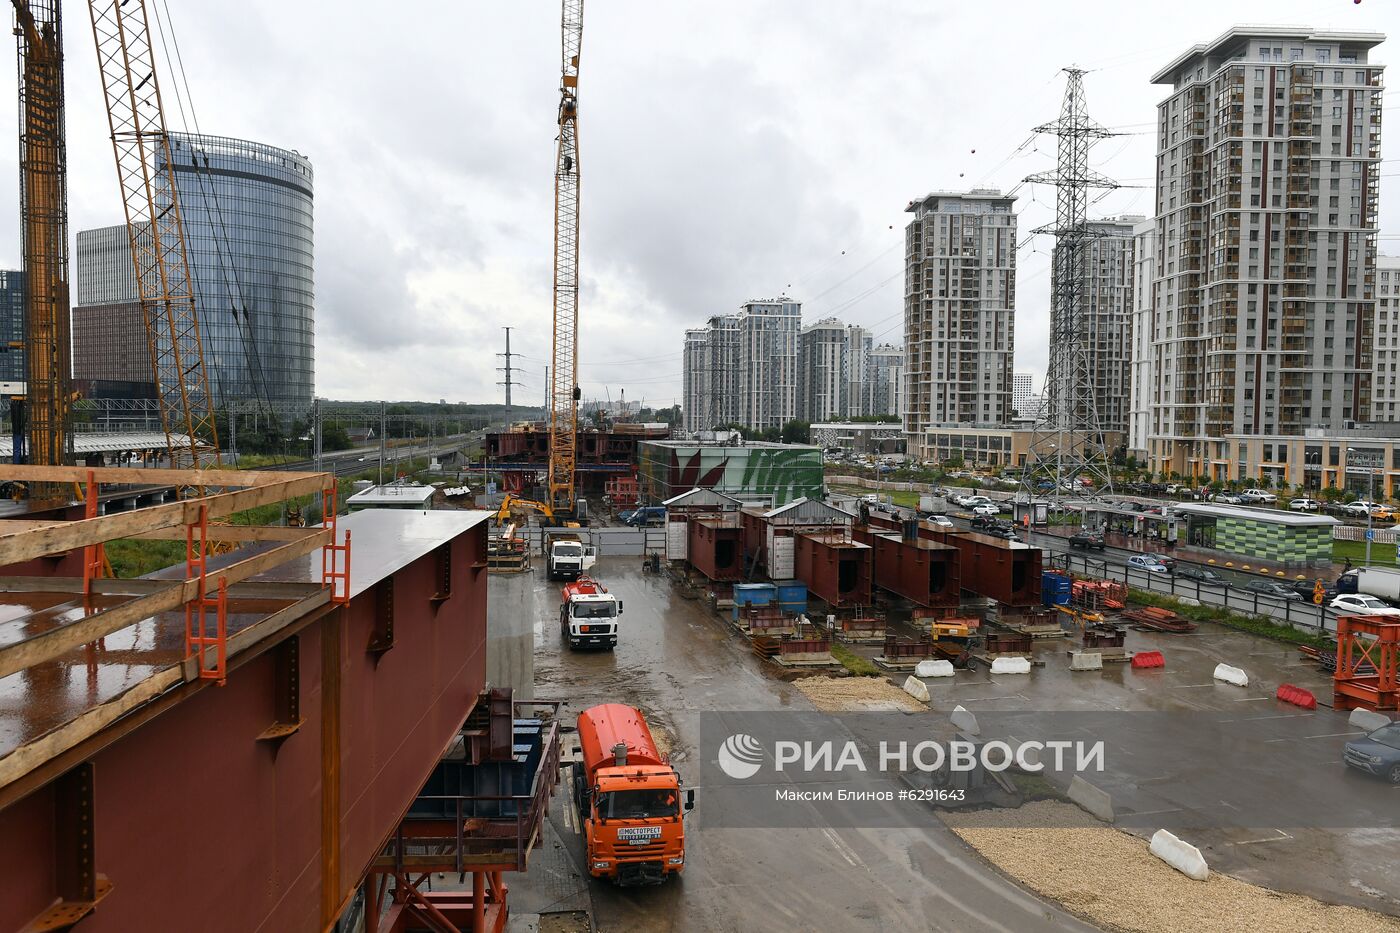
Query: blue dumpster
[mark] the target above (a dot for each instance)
(1055, 589)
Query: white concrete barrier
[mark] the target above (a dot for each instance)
(1011, 666)
(965, 721)
(916, 688)
(1368, 721)
(1231, 675)
(1182, 856)
(1086, 660)
(934, 669)
(1092, 800)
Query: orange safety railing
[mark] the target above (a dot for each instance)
(335, 572)
(198, 638)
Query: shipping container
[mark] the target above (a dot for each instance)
(792, 595)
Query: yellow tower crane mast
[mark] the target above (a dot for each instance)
(563, 374)
(146, 173)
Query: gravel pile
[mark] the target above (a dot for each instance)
(848, 694)
(1109, 878)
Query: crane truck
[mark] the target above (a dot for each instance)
(588, 613)
(629, 799)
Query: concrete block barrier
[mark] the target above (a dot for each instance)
(1086, 660)
(916, 688)
(1011, 666)
(934, 669)
(965, 721)
(1182, 856)
(1231, 675)
(1091, 799)
(1367, 721)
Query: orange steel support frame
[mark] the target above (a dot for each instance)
(1367, 641)
(145, 171)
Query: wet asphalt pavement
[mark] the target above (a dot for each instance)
(674, 660)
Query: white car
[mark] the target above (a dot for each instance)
(1304, 505)
(1359, 509)
(1259, 496)
(986, 509)
(1359, 604)
(942, 521)
(1147, 562)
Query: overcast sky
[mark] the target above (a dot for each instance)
(729, 150)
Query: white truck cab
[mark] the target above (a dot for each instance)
(567, 557)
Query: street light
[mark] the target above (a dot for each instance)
(1370, 505)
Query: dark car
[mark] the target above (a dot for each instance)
(1087, 541)
(1305, 589)
(1270, 588)
(1201, 575)
(1378, 753)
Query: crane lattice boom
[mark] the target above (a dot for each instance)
(563, 374)
(145, 172)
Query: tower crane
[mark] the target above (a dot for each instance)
(146, 173)
(44, 220)
(563, 374)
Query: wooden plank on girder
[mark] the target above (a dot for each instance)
(56, 642)
(20, 546)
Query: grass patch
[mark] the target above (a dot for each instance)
(1034, 786)
(1382, 555)
(856, 664)
(133, 558)
(1255, 625)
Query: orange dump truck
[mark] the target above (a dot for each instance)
(629, 798)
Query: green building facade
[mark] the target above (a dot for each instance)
(777, 473)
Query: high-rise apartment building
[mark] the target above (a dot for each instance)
(1385, 394)
(821, 380)
(1022, 386)
(247, 211)
(742, 368)
(1141, 356)
(1268, 152)
(885, 387)
(1106, 317)
(855, 372)
(695, 380)
(959, 311)
(768, 362)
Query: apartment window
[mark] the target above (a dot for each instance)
(1324, 55)
(1337, 77)
(1361, 77)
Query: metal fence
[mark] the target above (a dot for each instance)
(1303, 615)
(610, 542)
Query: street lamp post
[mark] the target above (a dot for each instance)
(1370, 507)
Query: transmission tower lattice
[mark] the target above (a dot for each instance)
(1068, 455)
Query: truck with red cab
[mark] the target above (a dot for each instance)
(629, 799)
(588, 614)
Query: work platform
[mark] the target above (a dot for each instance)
(247, 767)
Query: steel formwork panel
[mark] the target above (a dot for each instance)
(837, 570)
(206, 807)
(716, 548)
(1006, 571)
(926, 573)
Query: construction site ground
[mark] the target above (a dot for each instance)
(676, 658)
